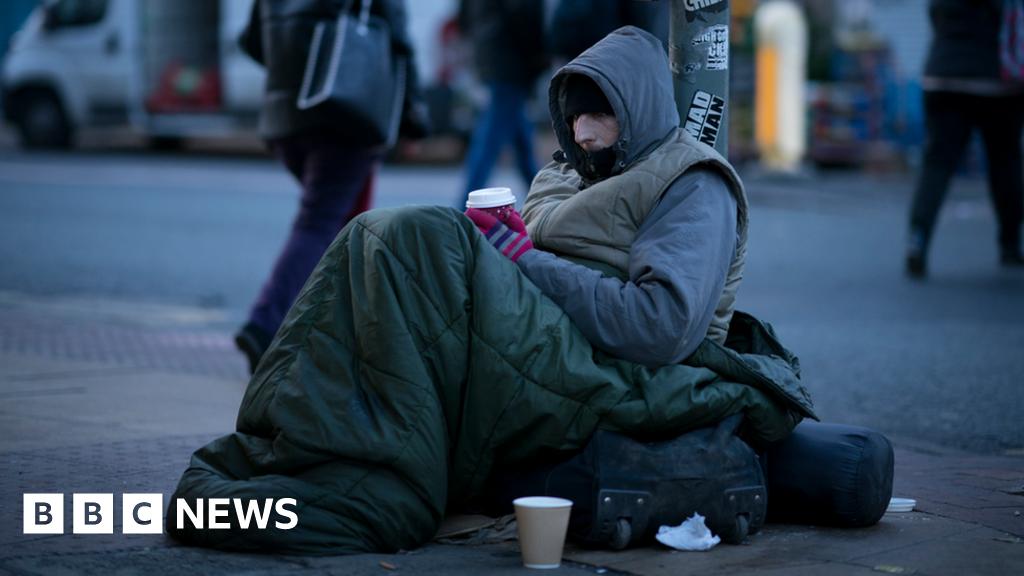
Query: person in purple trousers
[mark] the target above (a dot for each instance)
(334, 167)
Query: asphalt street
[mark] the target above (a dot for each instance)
(939, 361)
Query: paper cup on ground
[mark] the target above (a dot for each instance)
(543, 522)
(498, 202)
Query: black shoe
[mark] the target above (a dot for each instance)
(253, 341)
(1011, 258)
(915, 264)
(917, 247)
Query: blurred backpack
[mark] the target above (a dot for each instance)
(353, 78)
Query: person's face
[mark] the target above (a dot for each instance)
(595, 132)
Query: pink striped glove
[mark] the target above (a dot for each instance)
(509, 237)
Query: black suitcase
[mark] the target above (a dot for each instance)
(623, 490)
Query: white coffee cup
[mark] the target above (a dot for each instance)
(543, 522)
(498, 202)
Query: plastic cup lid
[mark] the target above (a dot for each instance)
(542, 502)
(490, 198)
(901, 505)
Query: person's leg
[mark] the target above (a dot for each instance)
(365, 200)
(333, 177)
(948, 129)
(523, 141)
(494, 128)
(1001, 120)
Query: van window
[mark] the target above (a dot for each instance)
(75, 13)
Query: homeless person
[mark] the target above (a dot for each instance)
(418, 359)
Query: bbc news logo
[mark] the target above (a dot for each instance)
(143, 513)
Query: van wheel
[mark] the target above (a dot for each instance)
(42, 120)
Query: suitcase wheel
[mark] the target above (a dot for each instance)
(739, 532)
(622, 534)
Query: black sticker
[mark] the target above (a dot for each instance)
(704, 118)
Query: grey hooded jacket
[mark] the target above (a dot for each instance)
(662, 240)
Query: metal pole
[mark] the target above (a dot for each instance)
(699, 56)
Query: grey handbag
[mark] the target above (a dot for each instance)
(353, 78)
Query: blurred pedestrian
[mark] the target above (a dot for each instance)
(509, 57)
(965, 89)
(572, 26)
(336, 171)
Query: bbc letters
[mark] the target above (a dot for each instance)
(143, 513)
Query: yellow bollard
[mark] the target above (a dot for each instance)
(780, 33)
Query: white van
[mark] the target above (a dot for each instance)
(168, 68)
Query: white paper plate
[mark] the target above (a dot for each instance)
(901, 505)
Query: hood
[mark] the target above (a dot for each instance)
(631, 67)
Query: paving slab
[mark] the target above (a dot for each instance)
(48, 403)
(432, 559)
(783, 546)
(983, 489)
(145, 466)
(973, 551)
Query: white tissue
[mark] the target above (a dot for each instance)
(692, 534)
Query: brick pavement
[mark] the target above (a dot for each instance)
(986, 490)
(171, 349)
(146, 466)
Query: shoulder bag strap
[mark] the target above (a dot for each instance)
(306, 100)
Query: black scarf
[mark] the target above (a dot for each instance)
(597, 165)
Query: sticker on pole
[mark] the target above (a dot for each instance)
(704, 118)
(696, 9)
(716, 40)
(695, 5)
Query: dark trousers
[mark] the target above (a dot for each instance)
(337, 185)
(503, 122)
(949, 120)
